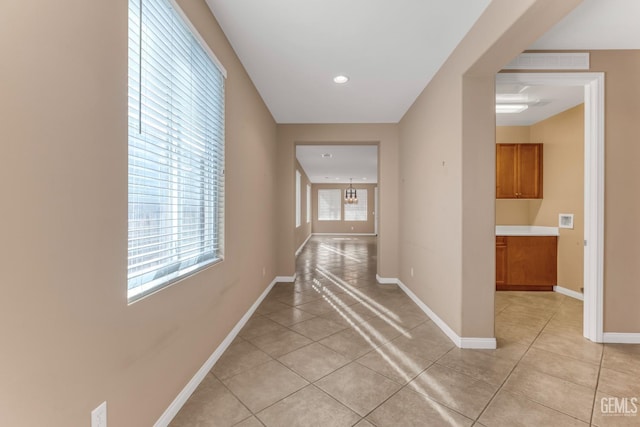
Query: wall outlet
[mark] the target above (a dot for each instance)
(99, 416)
(411, 271)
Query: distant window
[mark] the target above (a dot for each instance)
(308, 203)
(357, 211)
(298, 200)
(329, 205)
(176, 149)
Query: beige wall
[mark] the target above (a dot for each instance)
(343, 226)
(69, 339)
(622, 179)
(563, 139)
(386, 136)
(304, 231)
(447, 157)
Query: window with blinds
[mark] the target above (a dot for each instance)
(176, 149)
(357, 211)
(298, 199)
(329, 205)
(308, 203)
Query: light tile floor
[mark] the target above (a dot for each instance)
(337, 349)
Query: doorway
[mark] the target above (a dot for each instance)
(593, 269)
(342, 187)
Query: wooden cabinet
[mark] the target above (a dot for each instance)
(526, 263)
(518, 171)
(501, 260)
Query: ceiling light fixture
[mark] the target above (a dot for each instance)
(510, 108)
(517, 98)
(341, 79)
(350, 194)
(327, 155)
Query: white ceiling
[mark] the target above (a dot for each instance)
(359, 162)
(292, 49)
(596, 24)
(543, 101)
(391, 49)
(593, 25)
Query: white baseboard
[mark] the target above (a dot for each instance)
(461, 342)
(285, 279)
(569, 292)
(478, 343)
(386, 280)
(191, 386)
(621, 338)
(303, 243)
(344, 234)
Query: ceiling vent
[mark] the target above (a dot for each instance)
(550, 61)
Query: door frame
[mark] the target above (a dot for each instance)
(593, 83)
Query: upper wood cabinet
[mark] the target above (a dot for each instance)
(519, 171)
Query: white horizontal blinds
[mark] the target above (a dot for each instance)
(357, 211)
(308, 203)
(329, 205)
(176, 149)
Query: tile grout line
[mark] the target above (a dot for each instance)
(595, 392)
(309, 383)
(477, 420)
(239, 400)
(356, 270)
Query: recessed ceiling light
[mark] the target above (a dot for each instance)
(510, 108)
(327, 155)
(341, 79)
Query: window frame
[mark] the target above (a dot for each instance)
(298, 198)
(337, 191)
(209, 177)
(350, 208)
(308, 203)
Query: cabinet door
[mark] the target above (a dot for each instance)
(506, 171)
(532, 260)
(529, 171)
(501, 260)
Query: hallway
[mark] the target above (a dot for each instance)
(337, 349)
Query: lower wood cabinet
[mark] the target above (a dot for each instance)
(526, 263)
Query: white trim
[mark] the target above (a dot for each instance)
(593, 185)
(191, 386)
(594, 209)
(343, 234)
(198, 37)
(569, 292)
(478, 343)
(303, 243)
(550, 61)
(621, 338)
(386, 280)
(461, 342)
(285, 279)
